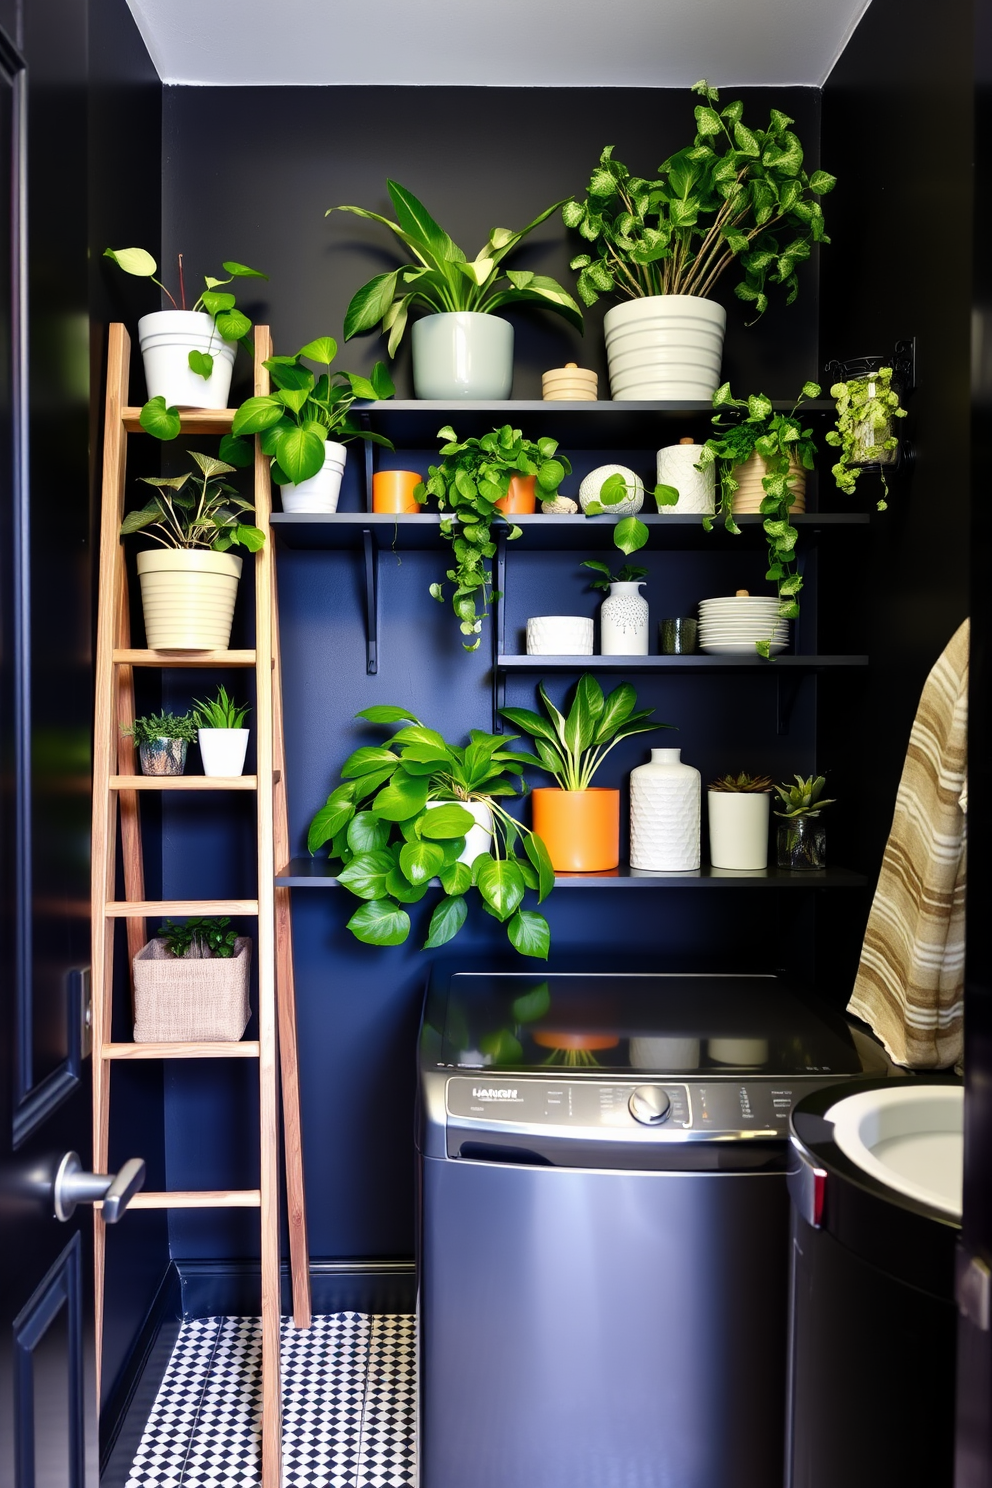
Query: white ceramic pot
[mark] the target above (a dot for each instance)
(559, 635)
(665, 803)
(697, 488)
(223, 750)
(739, 828)
(623, 621)
(665, 346)
(320, 493)
(166, 338)
(478, 839)
(462, 354)
(569, 384)
(594, 482)
(187, 595)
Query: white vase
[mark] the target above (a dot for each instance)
(166, 338)
(739, 828)
(320, 493)
(623, 621)
(187, 597)
(593, 483)
(462, 354)
(559, 635)
(697, 488)
(478, 839)
(665, 801)
(223, 750)
(665, 346)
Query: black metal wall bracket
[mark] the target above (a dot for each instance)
(787, 685)
(499, 629)
(371, 547)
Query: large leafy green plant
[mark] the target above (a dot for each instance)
(734, 193)
(298, 418)
(210, 517)
(573, 745)
(473, 475)
(392, 842)
(443, 278)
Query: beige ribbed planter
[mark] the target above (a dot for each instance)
(187, 999)
(750, 493)
(665, 346)
(188, 595)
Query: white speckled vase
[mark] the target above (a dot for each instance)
(665, 802)
(623, 621)
(696, 488)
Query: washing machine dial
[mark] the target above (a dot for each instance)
(649, 1104)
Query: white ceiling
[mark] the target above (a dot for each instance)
(522, 43)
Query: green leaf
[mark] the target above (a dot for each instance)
(421, 860)
(369, 304)
(540, 857)
(133, 261)
(399, 887)
(366, 833)
(387, 713)
(446, 821)
(366, 874)
(301, 454)
(821, 182)
(158, 420)
(417, 222)
(403, 797)
(201, 362)
(529, 934)
(324, 349)
(583, 715)
(380, 923)
(446, 921)
(501, 885)
(666, 495)
(256, 415)
(456, 878)
(242, 271)
(502, 1047)
(617, 708)
(369, 757)
(630, 534)
(237, 452)
(232, 325)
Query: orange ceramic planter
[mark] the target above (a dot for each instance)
(581, 829)
(521, 499)
(550, 1038)
(392, 491)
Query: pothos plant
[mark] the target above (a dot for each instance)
(474, 474)
(628, 574)
(629, 533)
(398, 819)
(748, 426)
(865, 434)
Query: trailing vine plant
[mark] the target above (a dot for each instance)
(865, 433)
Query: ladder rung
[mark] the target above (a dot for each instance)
(207, 1198)
(195, 1049)
(194, 420)
(140, 909)
(184, 782)
(132, 657)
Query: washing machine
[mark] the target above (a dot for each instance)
(604, 1223)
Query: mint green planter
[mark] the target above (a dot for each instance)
(462, 354)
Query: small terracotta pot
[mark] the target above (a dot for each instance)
(581, 829)
(392, 491)
(521, 499)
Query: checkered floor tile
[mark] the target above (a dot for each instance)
(349, 1406)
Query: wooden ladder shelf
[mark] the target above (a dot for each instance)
(116, 793)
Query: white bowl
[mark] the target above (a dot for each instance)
(737, 648)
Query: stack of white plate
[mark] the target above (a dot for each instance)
(730, 626)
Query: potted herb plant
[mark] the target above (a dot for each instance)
(191, 983)
(189, 588)
(662, 244)
(801, 839)
(623, 619)
(221, 733)
(188, 354)
(868, 404)
(738, 808)
(463, 348)
(579, 822)
(297, 420)
(418, 808)
(162, 740)
(473, 484)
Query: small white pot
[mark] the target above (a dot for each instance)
(697, 488)
(223, 750)
(559, 635)
(739, 828)
(167, 337)
(478, 839)
(187, 595)
(320, 493)
(623, 621)
(665, 346)
(462, 354)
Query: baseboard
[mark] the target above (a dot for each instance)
(123, 1418)
(233, 1288)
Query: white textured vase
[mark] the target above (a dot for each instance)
(593, 483)
(739, 828)
(320, 493)
(665, 799)
(559, 635)
(166, 338)
(462, 354)
(665, 346)
(478, 839)
(697, 488)
(623, 621)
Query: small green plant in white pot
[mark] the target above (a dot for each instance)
(221, 733)
(739, 809)
(162, 740)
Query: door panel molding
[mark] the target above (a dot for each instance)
(61, 1287)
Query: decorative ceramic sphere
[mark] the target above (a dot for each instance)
(594, 481)
(562, 506)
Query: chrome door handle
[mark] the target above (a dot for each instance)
(115, 1190)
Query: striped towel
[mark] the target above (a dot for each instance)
(910, 982)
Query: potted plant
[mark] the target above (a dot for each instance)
(296, 422)
(738, 808)
(463, 349)
(189, 588)
(662, 244)
(221, 733)
(191, 983)
(188, 354)
(475, 483)
(868, 404)
(579, 822)
(162, 740)
(623, 619)
(418, 808)
(749, 432)
(801, 838)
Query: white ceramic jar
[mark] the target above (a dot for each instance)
(321, 492)
(697, 488)
(665, 802)
(623, 621)
(739, 828)
(559, 635)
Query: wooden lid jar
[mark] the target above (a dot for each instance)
(570, 384)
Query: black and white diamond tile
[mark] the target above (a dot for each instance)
(349, 1406)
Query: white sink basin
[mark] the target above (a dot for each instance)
(909, 1137)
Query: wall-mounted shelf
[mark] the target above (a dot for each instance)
(315, 873)
(692, 663)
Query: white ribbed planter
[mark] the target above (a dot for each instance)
(665, 814)
(751, 493)
(739, 828)
(462, 354)
(665, 346)
(167, 337)
(623, 621)
(320, 493)
(478, 839)
(187, 595)
(223, 750)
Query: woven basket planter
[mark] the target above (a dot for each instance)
(183, 999)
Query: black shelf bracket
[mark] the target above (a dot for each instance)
(788, 685)
(498, 630)
(371, 548)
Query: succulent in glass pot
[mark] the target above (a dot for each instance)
(801, 840)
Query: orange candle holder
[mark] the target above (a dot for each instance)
(580, 829)
(392, 491)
